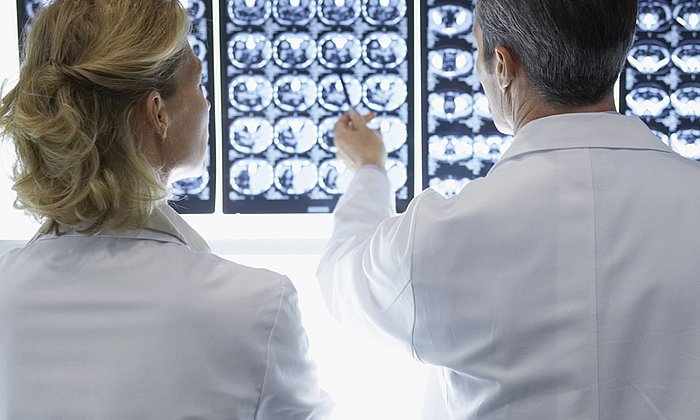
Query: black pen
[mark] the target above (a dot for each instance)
(345, 91)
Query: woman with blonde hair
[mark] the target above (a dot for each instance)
(117, 309)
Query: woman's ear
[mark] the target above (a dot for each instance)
(156, 115)
(152, 127)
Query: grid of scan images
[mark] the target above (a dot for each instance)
(460, 141)
(661, 83)
(193, 195)
(289, 69)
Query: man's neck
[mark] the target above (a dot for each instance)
(537, 109)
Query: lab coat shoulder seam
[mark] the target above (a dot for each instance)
(409, 282)
(282, 288)
(535, 151)
(166, 239)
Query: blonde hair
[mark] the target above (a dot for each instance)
(88, 65)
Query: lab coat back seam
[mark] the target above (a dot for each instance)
(595, 277)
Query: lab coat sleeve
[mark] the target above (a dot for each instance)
(290, 388)
(365, 269)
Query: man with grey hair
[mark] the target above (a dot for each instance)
(563, 285)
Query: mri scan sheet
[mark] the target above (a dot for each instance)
(289, 69)
(460, 140)
(192, 195)
(661, 82)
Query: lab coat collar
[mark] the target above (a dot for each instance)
(164, 225)
(166, 220)
(608, 130)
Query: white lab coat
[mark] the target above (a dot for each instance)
(148, 324)
(563, 286)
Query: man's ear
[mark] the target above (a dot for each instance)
(506, 66)
(156, 114)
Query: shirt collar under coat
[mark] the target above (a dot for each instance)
(607, 130)
(164, 225)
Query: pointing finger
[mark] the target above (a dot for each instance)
(358, 120)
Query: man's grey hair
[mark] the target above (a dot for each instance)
(572, 50)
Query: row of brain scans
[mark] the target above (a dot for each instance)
(661, 83)
(330, 13)
(334, 50)
(289, 68)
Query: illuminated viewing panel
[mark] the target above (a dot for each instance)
(460, 140)
(661, 83)
(196, 195)
(282, 61)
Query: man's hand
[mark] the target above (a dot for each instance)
(357, 144)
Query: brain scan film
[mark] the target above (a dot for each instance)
(381, 50)
(384, 12)
(286, 68)
(251, 135)
(293, 12)
(191, 195)
(339, 50)
(249, 12)
(339, 12)
(331, 96)
(294, 50)
(661, 82)
(249, 51)
(460, 140)
(295, 135)
(27, 9)
(333, 176)
(252, 176)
